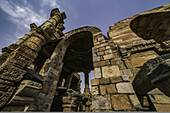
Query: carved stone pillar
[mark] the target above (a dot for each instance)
(13, 68)
(87, 92)
(86, 89)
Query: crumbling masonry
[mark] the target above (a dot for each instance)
(131, 66)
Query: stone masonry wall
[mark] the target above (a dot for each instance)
(134, 51)
(111, 90)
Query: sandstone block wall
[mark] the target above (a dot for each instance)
(111, 88)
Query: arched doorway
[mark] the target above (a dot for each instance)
(73, 54)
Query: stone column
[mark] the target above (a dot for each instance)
(87, 92)
(13, 68)
(86, 89)
(68, 80)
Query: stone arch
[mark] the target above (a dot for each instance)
(56, 62)
(154, 25)
(65, 42)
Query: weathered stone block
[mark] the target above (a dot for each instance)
(102, 48)
(111, 88)
(155, 91)
(28, 88)
(95, 59)
(107, 47)
(103, 41)
(162, 107)
(100, 39)
(14, 108)
(127, 72)
(120, 102)
(66, 99)
(102, 89)
(97, 73)
(96, 43)
(94, 90)
(109, 51)
(95, 82)
(115, 79)
(101, 102)
(160, 99)
(94, 40)
(19, 100)
(54, 72)
(109, 56)
(101, 45)
(124, 88)
(100, 53)
(107, 62)
(139, 59)
(94, 55)
(112, 61)
(99, 64)
(104, 81)
(135, 102)
(110, 71)
(125, 78)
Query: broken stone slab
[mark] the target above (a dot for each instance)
(155, 73)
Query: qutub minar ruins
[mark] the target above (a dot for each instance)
(131, 66)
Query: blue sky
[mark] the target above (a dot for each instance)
(16, 15)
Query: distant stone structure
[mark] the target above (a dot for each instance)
(131, 66)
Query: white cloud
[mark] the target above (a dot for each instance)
(22, 14)
(51, 3)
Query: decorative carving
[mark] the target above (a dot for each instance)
(6, 92)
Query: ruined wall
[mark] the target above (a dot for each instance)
(116, 61)
(116, 70)
(133, 50)
(111, 90)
